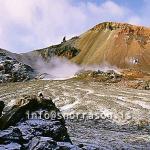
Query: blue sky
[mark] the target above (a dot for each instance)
(30, 24)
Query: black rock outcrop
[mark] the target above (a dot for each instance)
(13, 71)
(2, 105)
(35, 123)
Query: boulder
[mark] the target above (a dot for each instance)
(13, 71)
(27, 107)
(34, 123)
(11, 146)
(41, 143)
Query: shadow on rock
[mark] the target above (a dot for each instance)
(34, 123)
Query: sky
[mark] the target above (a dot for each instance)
(27, 25)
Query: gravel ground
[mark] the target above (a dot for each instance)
(118, 106)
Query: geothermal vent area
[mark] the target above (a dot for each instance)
(98, 81)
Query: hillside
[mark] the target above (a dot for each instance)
(65, 49)
(122, 45)
(117, 44)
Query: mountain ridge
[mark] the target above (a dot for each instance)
(122, 45)
(116, 25)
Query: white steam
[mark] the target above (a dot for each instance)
(57, 68)
(105, 66)
(60, 68)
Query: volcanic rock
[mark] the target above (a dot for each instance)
(35, 123)
(13, 71)
(2, 105)
(100, 76)
(119, 44)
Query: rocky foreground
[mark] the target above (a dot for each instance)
(124, 111)
(34, 123)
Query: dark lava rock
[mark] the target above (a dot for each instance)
(34, 123)
(2, 105)
(13, 71)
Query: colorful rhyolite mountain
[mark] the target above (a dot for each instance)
(122, 45)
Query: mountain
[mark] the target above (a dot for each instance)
(118, 44)
(65, 49)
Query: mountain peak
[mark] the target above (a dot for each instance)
(122, 26)
(119, 44)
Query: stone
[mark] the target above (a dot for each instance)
(11, 146)
(67, 146)
(42, 143)
(109, 76)
(13, 71)
(2, 105)
(25, 104)
(13, 134)
(26, 125)
(35, 123)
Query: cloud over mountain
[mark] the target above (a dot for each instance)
(31, 24)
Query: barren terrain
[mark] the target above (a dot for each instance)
(108, 109)
(125, 111)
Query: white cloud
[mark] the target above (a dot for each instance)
(28, 24)
(106, 8)
(46, 21)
